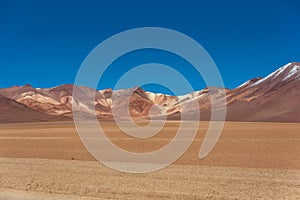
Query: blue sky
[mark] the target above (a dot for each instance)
(44, 42)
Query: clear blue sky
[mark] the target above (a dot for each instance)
(44, 42)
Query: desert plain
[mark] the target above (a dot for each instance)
(47, 160)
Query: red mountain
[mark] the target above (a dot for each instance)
(273, 98)
(12, 111)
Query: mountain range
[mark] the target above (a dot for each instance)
(274, 98)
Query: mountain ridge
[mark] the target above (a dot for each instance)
(272, 98)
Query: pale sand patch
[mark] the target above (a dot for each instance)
(61, 179)
(9, 194)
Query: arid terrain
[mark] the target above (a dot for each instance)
(250, 161)
(149, 100)
(270, 99)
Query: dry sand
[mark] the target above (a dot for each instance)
(250, 161)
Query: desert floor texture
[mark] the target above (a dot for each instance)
(250, 161)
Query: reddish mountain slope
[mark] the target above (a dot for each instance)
(273, 98)
(12, 111)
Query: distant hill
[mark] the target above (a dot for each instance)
(273, 98)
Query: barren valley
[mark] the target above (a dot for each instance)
(250, 161)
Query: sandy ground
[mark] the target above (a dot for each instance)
(250, 161)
